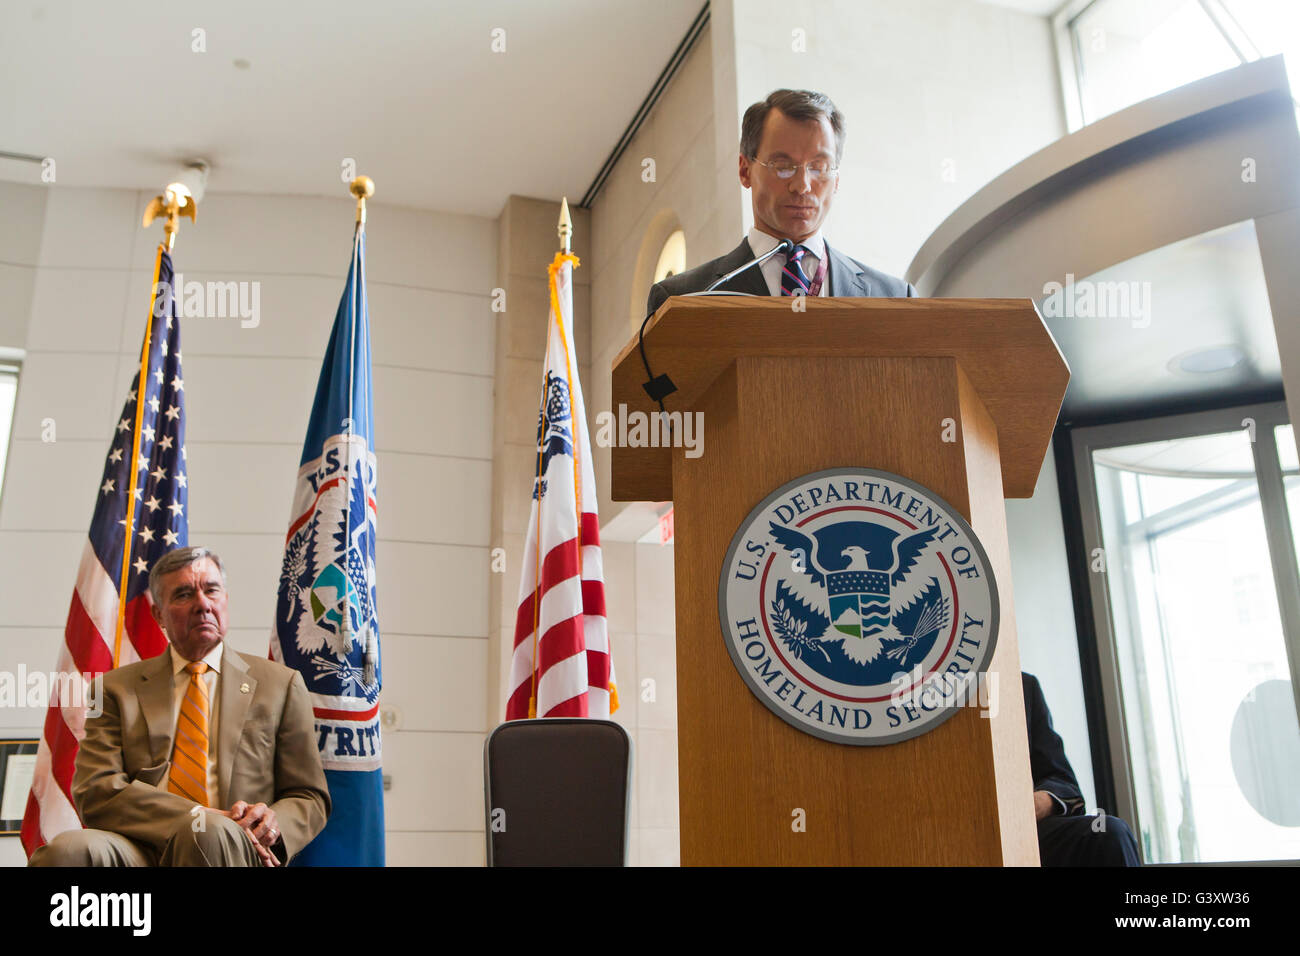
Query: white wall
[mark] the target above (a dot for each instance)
(691, 189)
(643, 627)
(20, 252)
(248, 394)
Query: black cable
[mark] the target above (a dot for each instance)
(661, 387)
(655, 391)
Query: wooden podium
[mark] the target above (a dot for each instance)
(858, 382)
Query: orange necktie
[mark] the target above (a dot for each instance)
(189, 773)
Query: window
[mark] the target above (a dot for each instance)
(672, 258)
(1284, 435)
(8, 394)
(661, 253)
(1194, 591)
(1125, 52)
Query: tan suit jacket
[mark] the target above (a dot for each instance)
(266, 752)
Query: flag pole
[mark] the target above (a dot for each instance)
(564, 229)
(565, 226)
(170, 207)
(362, 187)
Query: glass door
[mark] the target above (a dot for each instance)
(1192, 603)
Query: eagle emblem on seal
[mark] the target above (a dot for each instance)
(853, 589)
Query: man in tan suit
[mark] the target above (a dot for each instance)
(196, 729)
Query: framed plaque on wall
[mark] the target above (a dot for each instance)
(17, 765)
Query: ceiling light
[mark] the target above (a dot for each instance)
(1219, 358)
(190, 181)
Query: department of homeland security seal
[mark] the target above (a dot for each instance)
(858, 606)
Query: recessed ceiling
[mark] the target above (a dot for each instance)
(411, 90)
(1188, 299)
(1225, 455)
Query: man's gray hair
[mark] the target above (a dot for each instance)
(796, 104)
(174, 561)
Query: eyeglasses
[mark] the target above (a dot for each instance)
(819, 169)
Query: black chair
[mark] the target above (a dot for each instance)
(556, 792)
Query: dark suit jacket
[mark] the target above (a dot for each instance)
(1047, 761)
(845, 276)
(266, 752)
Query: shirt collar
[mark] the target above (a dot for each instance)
(760, 242)
(212, 659)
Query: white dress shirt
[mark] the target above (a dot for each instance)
(760, 242)
(180, 684)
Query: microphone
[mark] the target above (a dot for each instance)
(785, 246)
(659, 387)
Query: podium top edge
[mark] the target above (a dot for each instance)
(873, 301)
(776, 308)
(770, 303)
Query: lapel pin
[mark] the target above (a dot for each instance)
(243, 688)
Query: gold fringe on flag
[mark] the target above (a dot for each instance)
(552, 271)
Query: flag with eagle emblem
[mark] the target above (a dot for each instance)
(326, 624)
(561, 665)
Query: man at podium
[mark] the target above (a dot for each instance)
(791, 145)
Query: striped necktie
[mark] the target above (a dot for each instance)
(793, 279)
(189, 773)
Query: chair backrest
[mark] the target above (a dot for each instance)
(556, 792)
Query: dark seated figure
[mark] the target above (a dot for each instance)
(1067, 836)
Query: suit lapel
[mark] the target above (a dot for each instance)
(844, 277)
(156, 702)
(750, 281)
(234, 708)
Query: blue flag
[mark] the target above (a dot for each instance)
(326, 624)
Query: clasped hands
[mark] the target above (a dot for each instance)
(258, 822)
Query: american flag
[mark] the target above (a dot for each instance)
(562, 666)
(158, 524)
